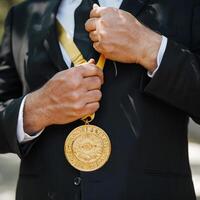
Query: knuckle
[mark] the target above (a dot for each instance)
(107, 48)
(98, 94)
(96, 46)
(97, 81)
(103, 36)
(97, 105)
(86, 67)
(91, 35)
(78, 69)
(93, 68)
(96, 69)
(93, 108)
(75, 83)
(103, 22)
(102, 46)
(78, 108)
(87, 24)
(75, 96)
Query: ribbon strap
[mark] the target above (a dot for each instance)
(76, 56)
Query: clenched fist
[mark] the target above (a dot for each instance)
(119, 36)
(68, 96)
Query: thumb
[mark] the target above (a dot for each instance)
(91, 61)
(95, 5)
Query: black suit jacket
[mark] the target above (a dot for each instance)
(145, 118)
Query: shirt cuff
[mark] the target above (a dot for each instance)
(160, 56)
(23, 137)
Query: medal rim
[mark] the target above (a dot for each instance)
(106, 150)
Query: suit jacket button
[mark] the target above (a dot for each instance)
(77, 181)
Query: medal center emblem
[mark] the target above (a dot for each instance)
(88, 148)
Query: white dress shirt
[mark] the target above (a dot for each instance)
(65, 16)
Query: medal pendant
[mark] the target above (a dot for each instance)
(87, 148)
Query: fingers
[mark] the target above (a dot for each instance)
(89, 70)
(94, 36)
(93, 96)
(96, 11)
(90, 24)
(91, 108)
(95, 14)
(91, 104)
(95, 6)
(92, 83)
(97, 46)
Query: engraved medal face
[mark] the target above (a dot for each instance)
(87, 148)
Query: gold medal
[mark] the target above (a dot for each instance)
(87, 148)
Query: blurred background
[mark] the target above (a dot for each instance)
(9, 163)
(4, 7)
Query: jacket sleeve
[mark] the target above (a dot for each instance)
(10, 94)
(177, 82)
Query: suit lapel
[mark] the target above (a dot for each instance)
(51, 43)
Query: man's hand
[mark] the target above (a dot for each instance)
(68, 96)
(119, 36)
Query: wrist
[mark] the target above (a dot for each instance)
(150, 50)
(34, 116)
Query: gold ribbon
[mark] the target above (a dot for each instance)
(76, 56)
